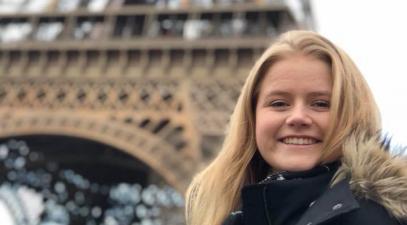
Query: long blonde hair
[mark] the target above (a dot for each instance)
(215, 192)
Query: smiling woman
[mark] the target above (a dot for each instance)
(303, 147)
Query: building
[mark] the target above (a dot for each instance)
(136, 87)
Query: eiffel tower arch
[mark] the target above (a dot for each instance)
(131, 116)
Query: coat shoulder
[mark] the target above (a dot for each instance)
(377, 175)
(235, 218)
(369, 212)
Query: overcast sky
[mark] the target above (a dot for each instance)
(374, 34)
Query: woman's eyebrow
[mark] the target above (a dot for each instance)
(321, 93)
(277, 92)
(283, 93)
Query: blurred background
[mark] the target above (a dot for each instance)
(109, 107)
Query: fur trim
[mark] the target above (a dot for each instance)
(376, 174)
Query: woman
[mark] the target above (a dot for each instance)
(303, 147)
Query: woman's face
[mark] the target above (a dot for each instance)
(292, 112)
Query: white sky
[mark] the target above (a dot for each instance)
(374, 34)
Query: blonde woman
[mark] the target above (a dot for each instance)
(303, 147)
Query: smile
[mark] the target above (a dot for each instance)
(299, 141)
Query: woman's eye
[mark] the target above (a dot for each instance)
(321, 104)
(278, 103)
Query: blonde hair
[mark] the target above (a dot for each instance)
(215, 192)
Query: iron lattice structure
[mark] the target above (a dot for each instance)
(163, 99)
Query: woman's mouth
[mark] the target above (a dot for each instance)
(299, 140)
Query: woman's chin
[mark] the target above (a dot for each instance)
(293, 165)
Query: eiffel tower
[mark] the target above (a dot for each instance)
(152, 80)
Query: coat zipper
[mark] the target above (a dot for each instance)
(266, 208)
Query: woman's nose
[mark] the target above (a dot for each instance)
(299, 117)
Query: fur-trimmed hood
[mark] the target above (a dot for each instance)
(376, 174)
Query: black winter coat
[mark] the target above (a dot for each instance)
(337, 206)
(371, 192)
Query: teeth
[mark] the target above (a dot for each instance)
(299, 141)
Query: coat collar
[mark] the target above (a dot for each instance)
(334, 201)
(266, 202)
